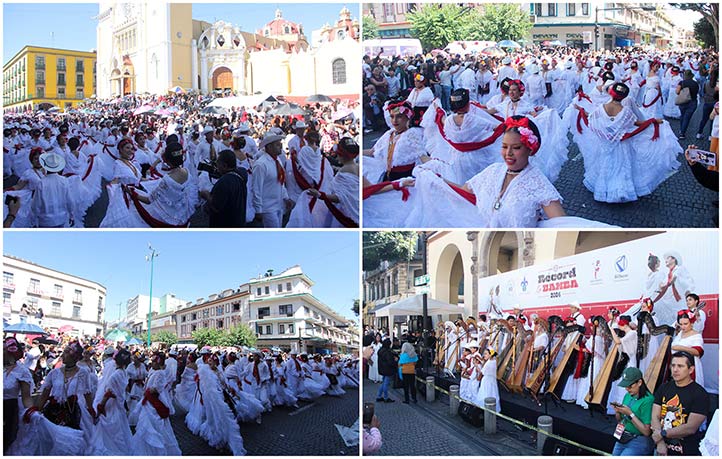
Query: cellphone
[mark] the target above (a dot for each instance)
(9, 199)
(615, 403)
(703, 157)
(369, 409)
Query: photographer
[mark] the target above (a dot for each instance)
(226, 202)
(372, 436)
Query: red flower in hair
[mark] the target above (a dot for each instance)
(528, 138)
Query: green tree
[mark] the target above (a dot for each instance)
(704, 32)
(387, 246)
(355, 307)
(437, 25)
(505, 21)
(370, 29)
(709, 11)
(164, 336)
(241, 335)
(208, 337)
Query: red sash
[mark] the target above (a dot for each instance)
(301, 180)
(373, 189)
(659, 96)
(642, 127)
(471, 197)
(336, 212)
(582, 116)
(146, 216)
(155, 402)
(469, 146)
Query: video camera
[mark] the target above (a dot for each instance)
(210, 168)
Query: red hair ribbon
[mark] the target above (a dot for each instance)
(686, 313)
(528, 138)
(403, 108)
(615, 95)
(519, 84)
(623, 322)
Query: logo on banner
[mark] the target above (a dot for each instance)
(558, 281)
(524, 284)
(596, 272)
(620, 268)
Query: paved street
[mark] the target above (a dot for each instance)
(309, 430)
(427, 429)
(678, 202)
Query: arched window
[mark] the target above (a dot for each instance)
(286, 29)
(338, 67)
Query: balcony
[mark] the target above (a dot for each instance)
(34, 291)
(10, 286)
(78, 301)
(272, 317)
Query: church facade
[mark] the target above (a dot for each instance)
(154, 47)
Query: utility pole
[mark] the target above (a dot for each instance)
(151, 257)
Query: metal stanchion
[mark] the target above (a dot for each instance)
(489, 415)
(430, 389)
(544, 423)
(453, 399)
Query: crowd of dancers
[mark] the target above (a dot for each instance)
(122, 405)
(162, 159)
(477, 141)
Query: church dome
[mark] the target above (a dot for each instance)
(279, 26)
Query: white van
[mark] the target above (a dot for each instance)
(392, 47)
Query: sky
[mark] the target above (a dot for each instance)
(195, 264)
(71, 25)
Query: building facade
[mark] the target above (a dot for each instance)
(389, 283)
(143, 47)
(618, 24)
(152, 47)
(65, 299)
(285, 314)
(223, 310)
(137, 309)
(38, 77)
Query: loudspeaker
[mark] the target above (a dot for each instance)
(554, 447)
(471, 414)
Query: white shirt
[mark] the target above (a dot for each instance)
(203, 151)
(52, 203)
(268, 193)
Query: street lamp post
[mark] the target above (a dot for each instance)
(150, 258)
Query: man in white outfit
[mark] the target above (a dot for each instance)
(269, 178)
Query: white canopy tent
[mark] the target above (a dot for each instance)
(412, 306)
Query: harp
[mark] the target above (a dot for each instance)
(597, 398)
(556, 331)
(565, 367)
(656, 372)
(524, 345)
(505, 340)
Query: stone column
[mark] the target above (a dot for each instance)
(204, 72)
(194, 65)
(472, 237)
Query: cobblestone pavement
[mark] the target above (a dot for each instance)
(427, 429)
(678, 202)
(307, 431)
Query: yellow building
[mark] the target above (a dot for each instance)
(38, 77)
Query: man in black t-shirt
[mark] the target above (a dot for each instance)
(680, 407)
(226, 203)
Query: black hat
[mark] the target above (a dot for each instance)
(607, 76)
(459, 99)
(608, 66)
(619, 91)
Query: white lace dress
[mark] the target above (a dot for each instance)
(154, 434)
(477, 125)
(408, 147)
(617, 170)
(653, 102)
(670, 109)
(112, 432)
